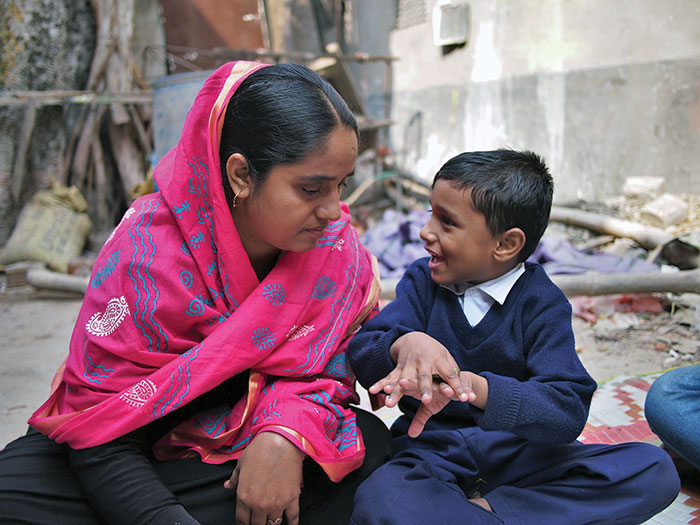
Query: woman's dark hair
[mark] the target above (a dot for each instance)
(512, 189)
(278, 115)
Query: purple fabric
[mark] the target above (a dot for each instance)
(557, 255)
(396, 243)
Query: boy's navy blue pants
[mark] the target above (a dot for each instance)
(430, 479)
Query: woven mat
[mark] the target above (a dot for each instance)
(617, 415)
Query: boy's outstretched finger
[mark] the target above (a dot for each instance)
(425, 386)
(386, 384)
(450, 374)
(396, 394)
(419, 420)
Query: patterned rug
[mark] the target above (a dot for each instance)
(616, 416)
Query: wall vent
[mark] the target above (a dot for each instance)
(450, 22)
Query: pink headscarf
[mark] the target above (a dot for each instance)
(174, 309)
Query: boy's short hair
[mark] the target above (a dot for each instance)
(512, 189)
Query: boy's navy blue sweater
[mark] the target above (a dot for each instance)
(538, 388)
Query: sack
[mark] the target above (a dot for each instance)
(51, 229)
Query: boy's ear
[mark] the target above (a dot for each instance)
(238, 175)
(510, 244)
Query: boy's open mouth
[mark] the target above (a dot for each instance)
(435, 259)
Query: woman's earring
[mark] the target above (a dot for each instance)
(235, 196)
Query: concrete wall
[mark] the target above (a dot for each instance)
(44, 45)
(603, 90)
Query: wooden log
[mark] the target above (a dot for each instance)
(102, 221)
(129, 158)
(647, 237)
(118, 75)
(44, 279)
(19, 166)
(104, 16)
(89, 133)
(594, 283)
(61, 98)
(144, 139)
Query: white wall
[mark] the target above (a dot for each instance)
(602, 89)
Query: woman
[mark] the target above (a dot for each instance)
(207, 379)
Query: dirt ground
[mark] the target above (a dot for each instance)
(36, 329)
(636, 344)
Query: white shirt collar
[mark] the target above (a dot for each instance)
(477, 300)
(497, 288)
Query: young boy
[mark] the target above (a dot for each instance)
(478, 351)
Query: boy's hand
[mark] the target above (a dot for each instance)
(443, 394)
(439, 400)
(418, 357)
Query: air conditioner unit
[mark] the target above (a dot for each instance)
(450, 22)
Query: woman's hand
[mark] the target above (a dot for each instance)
(267, 480)
(418, 357)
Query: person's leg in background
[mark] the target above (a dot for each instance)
(672, 409)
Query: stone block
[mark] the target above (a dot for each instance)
(665, 210)
(645, 188)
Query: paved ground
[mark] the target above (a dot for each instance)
(35, 336)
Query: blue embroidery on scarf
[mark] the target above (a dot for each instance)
(318, 346)
(218, 318)
(347, 434)
(107, 268)
(263, 338)
(90, 375)
(324, 399)
(179, 210)
(186, 278)
(338, 366)
(204, 214)
(342, 430)
(239, 444)
(213, 422)
(275, 293)
(179, 384)
(184, 249)
(331, 234)
(198, 305)
(233, 301)
(139, 273)
(324, 288)
(193, 183)
(196, 240)
(270, 411)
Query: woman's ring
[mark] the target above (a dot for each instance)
(274, 522)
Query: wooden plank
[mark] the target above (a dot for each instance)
(89, 133)
(60, 98)
(646, 236)
(19, 167)
(144, 138)
(102, 219)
